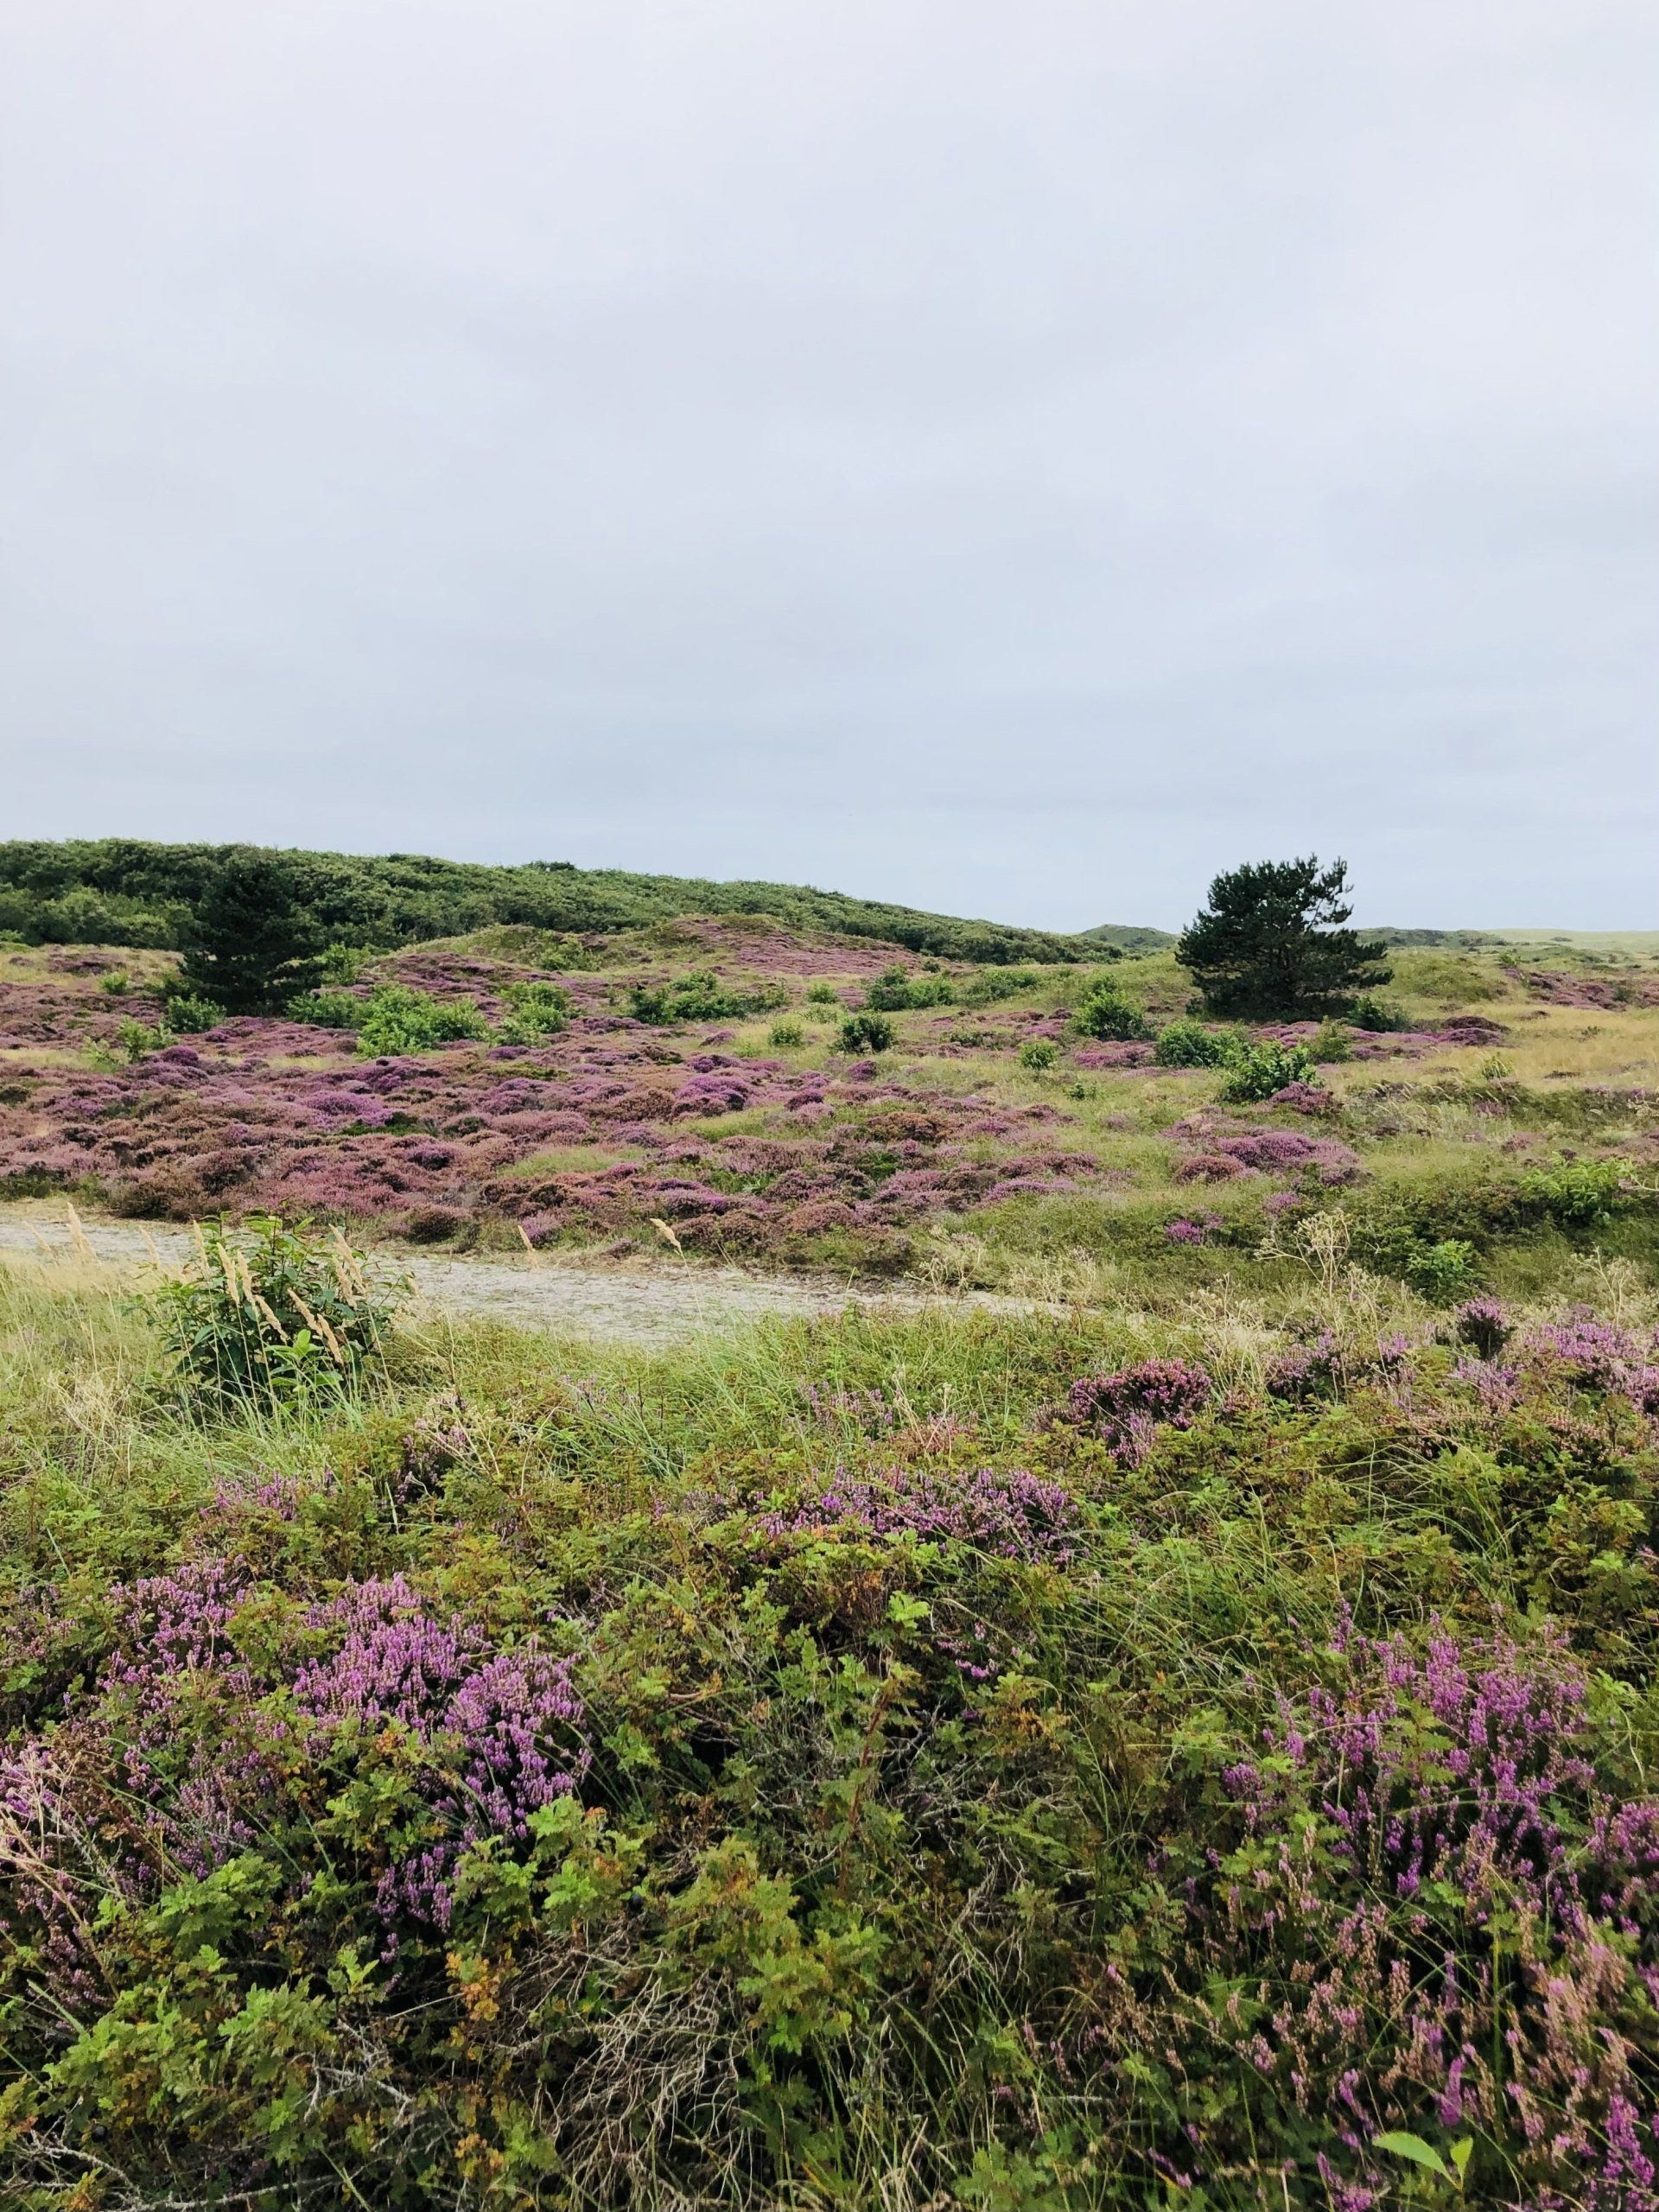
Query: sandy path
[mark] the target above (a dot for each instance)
(653, 1305)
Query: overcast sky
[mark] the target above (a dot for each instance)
(1018, 459)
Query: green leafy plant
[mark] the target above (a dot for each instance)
(1332, 1042)
(822, 994)
(786, 1034)
(398, 1020)
(1444, 1271)
(699, 996)
(1577, 1194)
(1256, 1071)
(1376, 1015)
(327, 1009)
(344, 964)
(538, 1010)
(1190, 1045)
(188, 1015)
(992, 985)
(116, 984)
(1107, 1013)
(137, 1040)
(272, 1318)
(1037, 1053)
(897, 992)
(867, 1033)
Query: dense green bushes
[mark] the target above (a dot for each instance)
(123, 891)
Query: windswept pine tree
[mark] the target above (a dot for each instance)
(1270, 945)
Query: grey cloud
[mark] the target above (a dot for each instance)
(1015, 460)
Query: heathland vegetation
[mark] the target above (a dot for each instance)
(1189, 1740)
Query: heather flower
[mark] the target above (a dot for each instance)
(1483, 1326)
(1018, 1515)
(1128, 1409)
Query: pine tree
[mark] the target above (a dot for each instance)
(1270, 947)
(250, 940)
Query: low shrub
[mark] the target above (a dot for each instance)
(995, 984)
(116, 984)
(1377, 1016)
(786, 1034)
(137, 1040)
(1107, 1014)
(1256, 1071)
(867, 1033)
(327, 1010)
(1037, 1053)
(896, 992)
(1190, 1045)
(1330, 1042)
(188, 1014)
(344, 964)
(537, 1010)
(271, 1318)
(822, 994)
(1443, 1272)
(699, 996)
(398, 1020)
(1578, 1194)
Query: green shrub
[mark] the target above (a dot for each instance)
(1578, 1194)
(538, 1010)
(786, 1034)
(188, 1015)
(1108, 1013)
(344, 964)
(896, 992)
(1038, 1052)
(1330, 1042)
(399, 1020)
(699, 996)
(1443, 1272)
(822, 994)
(116, 984)
(271, 1318)
(1190, 1045)
(1376, 1016)
(1256, 1071)
(137, 1040)
(867, 1033)
(327, 1009)
(997, 984)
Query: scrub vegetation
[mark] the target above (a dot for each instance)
(1190, 1741)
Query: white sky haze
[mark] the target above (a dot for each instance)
(1017, 460)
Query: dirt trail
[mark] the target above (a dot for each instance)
(653, 1306)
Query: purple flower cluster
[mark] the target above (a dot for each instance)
(1443, 1909)
(245, 1120)
(1128, 1409)
(1016, 1515)
(183, 1746)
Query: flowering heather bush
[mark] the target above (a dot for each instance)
(1016, 1515)
(646, 1776)
(1483, 1326)
(1433, 1900)
(1128, 1409)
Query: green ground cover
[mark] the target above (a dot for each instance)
(1190, 1744)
